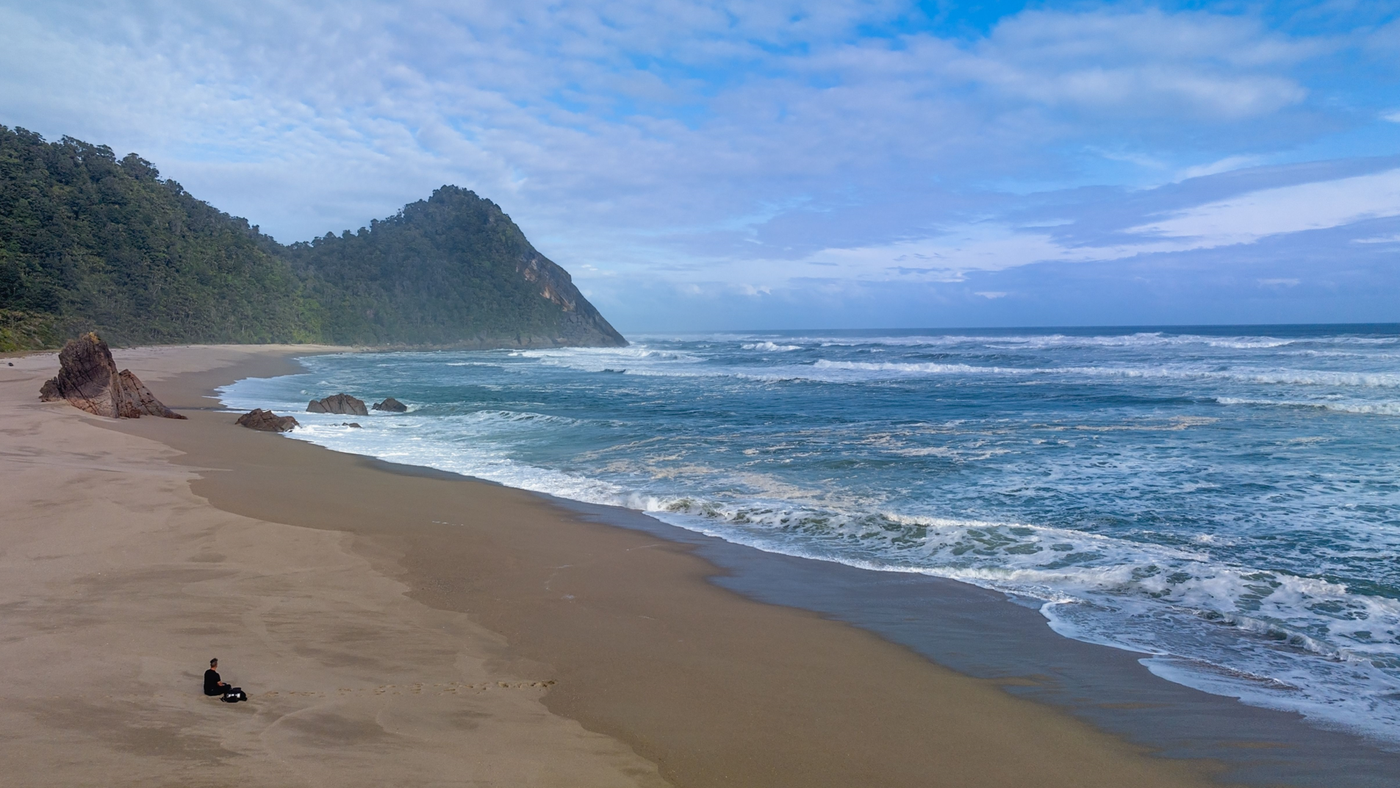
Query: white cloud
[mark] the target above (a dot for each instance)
(950, 256)
(599, 120)
(1393, 117)
(989, 246)
(1148, 63)
(1216, 167)
(1287, 209)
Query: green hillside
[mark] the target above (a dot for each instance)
(90, 242)
(451, 269)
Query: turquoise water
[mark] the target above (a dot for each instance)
(1226, 500)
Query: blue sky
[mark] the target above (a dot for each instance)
(712, 165)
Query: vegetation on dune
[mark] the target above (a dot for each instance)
(90, 242)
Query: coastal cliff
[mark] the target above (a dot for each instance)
(90, 242)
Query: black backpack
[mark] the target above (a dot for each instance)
(234, 695)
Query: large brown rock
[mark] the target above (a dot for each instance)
(267, 421)
(89, 380)
(391, 405)
(343, 404)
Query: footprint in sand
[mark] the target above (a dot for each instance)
(417, 688)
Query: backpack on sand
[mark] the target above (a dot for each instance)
(234, 695)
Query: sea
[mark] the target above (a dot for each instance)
(1224, 501)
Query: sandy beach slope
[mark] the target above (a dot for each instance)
(413, 629)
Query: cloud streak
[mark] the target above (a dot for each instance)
(1287, 209)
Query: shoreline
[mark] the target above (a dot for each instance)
(655, 644)
(683, 691)
(1105, 685)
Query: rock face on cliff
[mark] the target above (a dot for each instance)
(89, 380)
(267, 421)
(391, 405)
(342, 404)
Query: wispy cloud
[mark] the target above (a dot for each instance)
(954, 252)
(1216, 167)
(1289, 209)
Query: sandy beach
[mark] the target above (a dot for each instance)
(419, 629)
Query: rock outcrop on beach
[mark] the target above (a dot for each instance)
(391, 405)
(88, 379)
(340, 404)
(267, 421)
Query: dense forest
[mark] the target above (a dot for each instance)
(92, 242)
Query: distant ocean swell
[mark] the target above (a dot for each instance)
(1226, 501)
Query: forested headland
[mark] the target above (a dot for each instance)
(92, 242)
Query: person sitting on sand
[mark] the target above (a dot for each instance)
(212, 684)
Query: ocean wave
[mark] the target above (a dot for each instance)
(609, 354)
(769, 347)
(512, 417)
(661, 362)
(915, 368)
(1358, 408)
(1143, 340)
(1053, 341)
(1266, 377)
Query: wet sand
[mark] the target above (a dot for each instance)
(431, 630)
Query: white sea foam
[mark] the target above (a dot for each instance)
(769, 347)
(651, 362)
(1359, 408)
(1015, 558)
(1291, 377)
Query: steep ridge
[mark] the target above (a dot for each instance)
(449, 270)
(89, 242)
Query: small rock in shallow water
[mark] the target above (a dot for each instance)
(340, 404)
(392, 405)
(267, 421)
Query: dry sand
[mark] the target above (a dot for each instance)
(407, 629)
